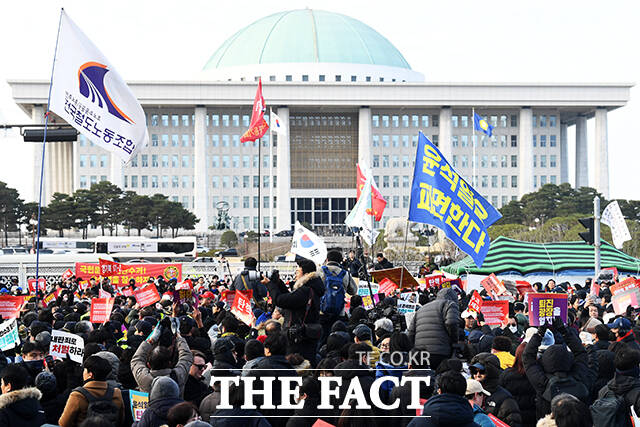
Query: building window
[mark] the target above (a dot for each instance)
(154, 181)
(543, 140)
(83, 160)
(385, 121)
(553, 179)
(134, 181)
(396, 181)
(514, 181)
(534, 121)
(354, 78)
(385, 161)
(288, 78)
(165, 181)
(134, 161)
(535, 140)
(503, 121)
(92, 160)
(154, 160)
(165, 161)
(425, 121)
(165, 140)
(83, 181)
(543, 161)
(514, 140)
(454, 140)
(514, 121)
(535, 161)
(552, 121)
(454, 121)
(338, 77)
(503, 161)
(165, 120)
(145, 181)
(552, 161)
(543, 121)
(514, 161)
(395, 122)
(368, 78)
(154, 120)
(464, 121)
(185, 181)
(185, 161)
(376, 161)
(503, 180)
(126, 181)
(375, 121)
(175, 182)
(454, 161)
(103, 161)
(321, 77)
(385, 181)
(436, 140)
(485, 181)
(552, 141)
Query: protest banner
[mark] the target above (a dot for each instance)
(9, 337)
(544, 307)
(227, 296)
(63, 343)
(68, 274)
(625, 285)
(50, 298)
(493, 286)
(41, 285)
(147, 295)
(495, 312)
(127, 292)
(475, 303)
(241, 308)
(367, 302)
(139, 402)
(109, 268)
(103, 294)
(399, 276)
(434, 280)
(622, 299)
(524, 287)
(408, 302)
(595, 289)
(440, 197)
(187, 296)
(363, 288)
(10, 306)
(387, 287)
(101, 309)
(140, 273)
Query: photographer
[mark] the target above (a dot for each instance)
(153, 360)
(301, 308)
(249, 279)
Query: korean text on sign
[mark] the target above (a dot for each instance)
(64, 343)
(440, 197)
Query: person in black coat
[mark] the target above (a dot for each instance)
(382, 263)
(52, 402)
(309, 413)
(273, 365)
(515, 381)
(626, 381)
(19, 405)
(301, 309)
(577, 364)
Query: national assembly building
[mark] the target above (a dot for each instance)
(344, 95)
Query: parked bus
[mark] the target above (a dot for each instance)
(133, 249)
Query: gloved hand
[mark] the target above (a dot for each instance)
(559, 326)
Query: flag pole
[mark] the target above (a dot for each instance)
(272, 226)
(44, 144)
(259, 194)
(474, 180)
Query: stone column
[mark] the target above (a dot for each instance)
(582, 157)
(525, 152)
(37, 117)
(602, 153)
(200, 191)
(283, 172)
(364, 136)
(564, 154)
(444, 138)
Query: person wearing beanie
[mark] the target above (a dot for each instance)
(362, 334)
(622, 328)
(52, 402)
(164, 394)
(301, 309)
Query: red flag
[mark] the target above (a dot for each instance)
(378, 203)
(67, 274)
(109, 268)
(258, 126)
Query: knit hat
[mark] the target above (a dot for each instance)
(46, 382)
(222, 345)
(144, 327)
(362, 332)
(163, 387)
(548, 340)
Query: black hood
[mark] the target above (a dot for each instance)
(557, 358)
(448, 410)
(447, 293)
(621, 384)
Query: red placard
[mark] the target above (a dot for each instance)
(42, 285)
(147, 295)
(495, 312)
(241, 308)
(623, 299)
(387, 287)
(475, 303)
(109, 268)
(103, 294)
(435, 280)
(127, 292)
(139, 272)
(625, 285)
(50, 298)
(101, 309)
(10, 306)
(67, 274)
(524, 287)
(595, 289)
(493, 286)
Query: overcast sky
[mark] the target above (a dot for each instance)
(448, 41)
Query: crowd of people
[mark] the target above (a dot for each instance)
(582, 372)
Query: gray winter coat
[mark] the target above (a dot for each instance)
(434, 328)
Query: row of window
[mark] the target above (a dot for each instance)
(245, 181)
(93, 179)
(322, 78)
(93, 161)
(543, 180)
(248, 202)
(485, 141)
(185, 160)
(163, 161)
(416, 121)
(397, 141)
(463, 161)
(394, 163)
(393, 180)
(543, 161)
(132, 181)
(553, 142)
(247, 161)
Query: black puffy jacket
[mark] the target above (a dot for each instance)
(523, 392)
(22, 408)
(295, 303)
(434, 327)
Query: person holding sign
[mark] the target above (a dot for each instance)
(557, 370)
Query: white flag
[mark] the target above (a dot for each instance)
(89, 94)
(306, 244)
(277, 124)
(359, 217)
(612, 216)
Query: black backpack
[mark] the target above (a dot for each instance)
(102, 407)
(562, 383)
(610, 411)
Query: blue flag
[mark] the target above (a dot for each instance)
(440, 197)
(482, 125)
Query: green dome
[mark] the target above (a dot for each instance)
(306, 36)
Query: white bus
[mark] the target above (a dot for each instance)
(61, 245)
(131, 249)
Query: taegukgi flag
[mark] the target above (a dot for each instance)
(440, 197)
(276, 124)
(306, 244)
(89, 94)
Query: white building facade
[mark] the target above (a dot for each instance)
(341, 101)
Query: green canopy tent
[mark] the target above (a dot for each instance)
(509, 256)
